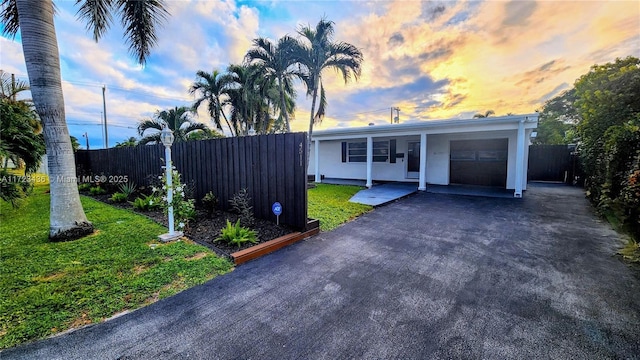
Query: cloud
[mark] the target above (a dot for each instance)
(517, 13)
(432, 59)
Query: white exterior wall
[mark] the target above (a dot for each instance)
(438, 157)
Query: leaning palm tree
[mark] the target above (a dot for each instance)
(34, 19)
(177, 119)
(212, 88)
(276, 62)
(316, 52)
(485, 115)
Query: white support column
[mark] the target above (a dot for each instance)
(369, 161)
(422, 181)
(520, 144)
(316, 160)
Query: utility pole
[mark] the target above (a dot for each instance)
(397, 118)
(104, 106)
(13, 86)
(86, 136)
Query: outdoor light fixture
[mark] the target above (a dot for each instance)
(166, 136)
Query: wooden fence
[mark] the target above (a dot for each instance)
(552, 163)
(271, 167)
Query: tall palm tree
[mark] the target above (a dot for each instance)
(485, 115)
(276, 62)
(34, 19)
(244, 97)
(177, 119)
(316, 52)
(212, 88)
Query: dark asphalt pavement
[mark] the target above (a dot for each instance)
(429, 276)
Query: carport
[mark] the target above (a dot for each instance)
(487, 152)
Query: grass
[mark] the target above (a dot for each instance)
(46, 287)
(330, 204)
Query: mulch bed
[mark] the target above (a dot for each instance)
(207, 228)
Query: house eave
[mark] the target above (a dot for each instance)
(431, 127)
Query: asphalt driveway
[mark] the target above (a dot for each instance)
(430, 276)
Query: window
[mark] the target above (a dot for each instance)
(357, 151)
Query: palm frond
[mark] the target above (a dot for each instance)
(145, 125)
(140, 19)
(97, 15)
(9, 17)
(151, 138)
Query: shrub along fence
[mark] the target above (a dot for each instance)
(271, 167)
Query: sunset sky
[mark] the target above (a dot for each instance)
(433, 60)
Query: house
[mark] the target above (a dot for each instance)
(490, 151)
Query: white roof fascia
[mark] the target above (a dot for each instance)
(431, 127)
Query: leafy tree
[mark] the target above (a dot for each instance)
(177, 119)
(18, 138)
(34, 19)
(204, 135)
(130, 142)
(316, 52)
(607, 96)
(277, 63)
(75, 145)
(213, 88)
(486, 114)
(558, 120)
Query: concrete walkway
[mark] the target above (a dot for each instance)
(384, 193)
(429, 277)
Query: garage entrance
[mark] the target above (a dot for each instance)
(479, 162)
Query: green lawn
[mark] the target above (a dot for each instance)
(46, 288)
(330, 204)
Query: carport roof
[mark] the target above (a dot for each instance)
(432, 127)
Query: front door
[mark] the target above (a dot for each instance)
(413, 160)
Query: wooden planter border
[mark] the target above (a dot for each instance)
(242, 256)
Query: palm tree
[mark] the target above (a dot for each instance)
(212, 88)
(178, 121)
(485, 115)
(316, 51)
(276, 62)
(34, 19)
(130, 142)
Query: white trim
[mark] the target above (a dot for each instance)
(369, 160)
(422, 181)
(316, 156)
(519, 160)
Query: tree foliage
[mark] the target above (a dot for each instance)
(177, 119)
(19, 140)
(608, 105)
(558, 119)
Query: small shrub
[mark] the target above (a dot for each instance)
(241, 203)
(97, 190)
(14, 188)
(146, 203)
(118, 197)
(127, 189)
(237, 234)
(84, 187)
(210, 203)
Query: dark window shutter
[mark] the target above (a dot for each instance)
(344, 151)
(392, 151)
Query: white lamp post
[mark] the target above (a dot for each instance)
(166, 136)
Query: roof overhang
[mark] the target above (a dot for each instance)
(444, 126)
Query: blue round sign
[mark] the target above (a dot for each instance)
(276, 208)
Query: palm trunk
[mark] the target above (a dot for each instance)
(283, 108)
(225, 117)
(40, 47)
(311, 120)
